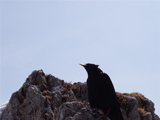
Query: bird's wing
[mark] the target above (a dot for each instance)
(109, 86)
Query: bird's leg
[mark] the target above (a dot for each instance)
(107, 112)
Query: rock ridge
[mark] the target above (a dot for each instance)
(46, 97)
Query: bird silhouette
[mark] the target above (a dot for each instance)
(101, 92)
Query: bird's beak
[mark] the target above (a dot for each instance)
(82, 64)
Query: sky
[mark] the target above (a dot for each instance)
(122, 37)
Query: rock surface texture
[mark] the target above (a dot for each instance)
(45, 97)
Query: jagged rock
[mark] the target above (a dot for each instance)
(45, 97)
(133, 112)
(70, 110)
(2, 108)
(148, 116)
(149, 107)
(76, 110)
(11, 110)
(53, 82)
(156, 117)
(80, 90)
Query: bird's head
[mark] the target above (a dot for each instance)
(91, 68)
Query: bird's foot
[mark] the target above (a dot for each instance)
(106, 114)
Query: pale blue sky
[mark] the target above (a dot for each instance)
(123, 37)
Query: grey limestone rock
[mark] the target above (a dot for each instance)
(45, 97)
(133, 113)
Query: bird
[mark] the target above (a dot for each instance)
(101, 92)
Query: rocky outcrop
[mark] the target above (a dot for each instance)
(45, 97)
(2, 107)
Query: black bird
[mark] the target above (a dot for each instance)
(101, 93)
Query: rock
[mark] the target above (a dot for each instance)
(45, 97)
(33, 107)
(2, 108)
(12, 108)
(149, 107)
(53, 82)
(133, 113)
(156, 117)
(148, 116)
(70, 110)
(76, 110)
(80, 91)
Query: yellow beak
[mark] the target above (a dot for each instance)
(82, 64)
